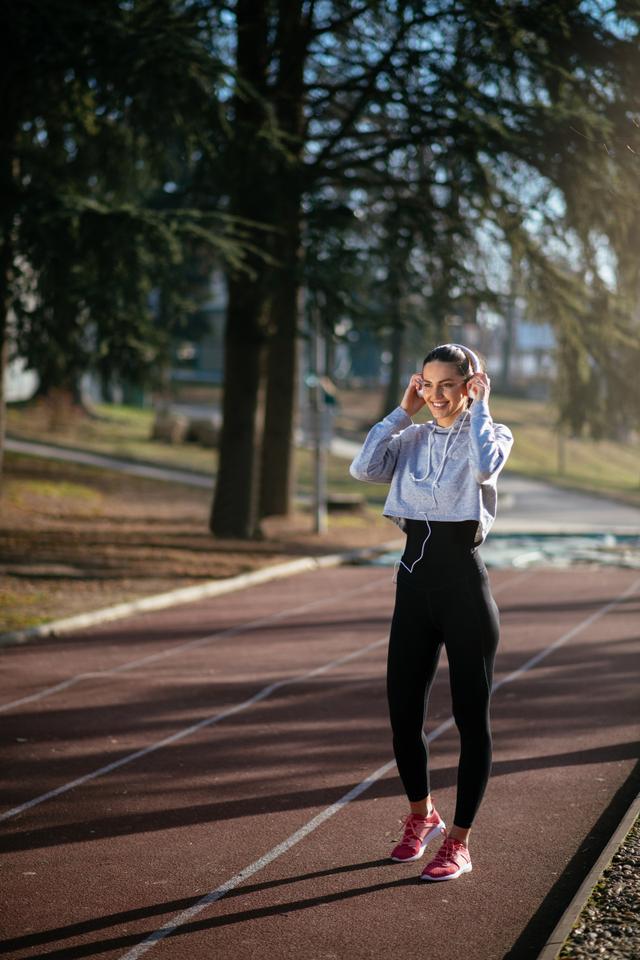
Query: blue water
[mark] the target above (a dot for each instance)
(556, 550)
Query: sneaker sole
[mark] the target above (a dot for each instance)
(432, 833)
(451, 876)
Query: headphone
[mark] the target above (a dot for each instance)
(476, 367)
(474, 360)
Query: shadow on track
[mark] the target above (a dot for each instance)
(171, 906)
(541, 925)
(152, 821)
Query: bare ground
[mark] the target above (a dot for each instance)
(74, 539)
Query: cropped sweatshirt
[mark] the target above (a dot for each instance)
(437, 473)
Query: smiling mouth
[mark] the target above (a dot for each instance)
(439, 404)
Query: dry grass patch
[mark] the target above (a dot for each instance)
(75, 538)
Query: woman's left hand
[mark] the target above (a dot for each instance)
(479, 386)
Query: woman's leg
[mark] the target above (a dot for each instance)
(471, 628)
(414, 648)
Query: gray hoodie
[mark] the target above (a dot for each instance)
(437, 473)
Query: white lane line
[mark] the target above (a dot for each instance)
(208, 721)
(187, 731)
(190, 645)
(185, 916)
(209, 638)
(510, 677)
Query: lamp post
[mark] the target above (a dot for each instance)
(319, 418)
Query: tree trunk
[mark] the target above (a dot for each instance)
(277, 486)
(4, 356)
(62, 403)
(507, 344)
(6, 274)
(398, 255)
(235, 506)
(234, 511)
(394, 390)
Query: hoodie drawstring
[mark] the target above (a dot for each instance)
(436, 479)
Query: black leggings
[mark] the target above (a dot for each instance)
(445, 600)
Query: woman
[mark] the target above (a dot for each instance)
(443, 478)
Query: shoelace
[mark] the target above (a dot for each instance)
(447, 851)
(410, 831)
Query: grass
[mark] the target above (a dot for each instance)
(603, 467)
(75, 538)
(339, 480)
(27, 494)
(606, 467)
(119, 431)
(125, 431)
(20, 610)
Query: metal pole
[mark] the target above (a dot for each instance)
(562, 453)
(320, 457)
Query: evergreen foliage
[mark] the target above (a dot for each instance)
(101, 102)
(403, 160)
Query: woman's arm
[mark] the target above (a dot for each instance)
(377, 459)
(490, 443)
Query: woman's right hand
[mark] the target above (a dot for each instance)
(412, 401)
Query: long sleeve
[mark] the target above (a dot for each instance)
(377, 459)
(490, 443)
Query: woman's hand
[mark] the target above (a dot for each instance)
(412, 401)
(479, 386)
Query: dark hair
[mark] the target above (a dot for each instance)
(448, 353)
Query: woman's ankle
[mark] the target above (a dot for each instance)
(421, 808)
(460, 833)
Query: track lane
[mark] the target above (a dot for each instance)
(165, 695)
(181, 647)
(187, 918)
(311, 765)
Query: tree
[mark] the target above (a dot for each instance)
(298, 59)
(235, 506)
(515, 102)
(463, 135)
(290, 49)
(87, 230)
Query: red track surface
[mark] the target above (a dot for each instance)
(97, 868)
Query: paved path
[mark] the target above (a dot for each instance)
(104, 461)
(216, 780)
(534, 507)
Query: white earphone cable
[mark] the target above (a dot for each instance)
(474, 364)
(446, 452)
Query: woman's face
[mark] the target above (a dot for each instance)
(444, 391)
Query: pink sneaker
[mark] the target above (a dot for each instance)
(417, 833)
(451, 860)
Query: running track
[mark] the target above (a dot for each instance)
(215, 780)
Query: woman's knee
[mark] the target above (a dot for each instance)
(473, 719)
(405, 722)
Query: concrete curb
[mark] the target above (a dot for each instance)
(213, 588)
(565, 924)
